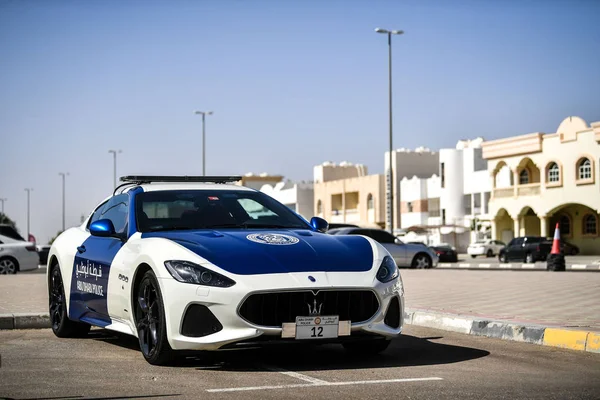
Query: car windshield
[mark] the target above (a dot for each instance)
(212, 209)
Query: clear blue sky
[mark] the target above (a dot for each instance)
(292, 84)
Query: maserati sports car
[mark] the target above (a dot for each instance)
(200, 263)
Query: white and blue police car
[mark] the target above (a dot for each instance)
(199, 263)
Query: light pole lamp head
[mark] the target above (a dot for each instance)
(203, 112)
(385, 31)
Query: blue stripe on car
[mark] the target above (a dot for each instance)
(233, 252)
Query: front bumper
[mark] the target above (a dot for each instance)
(476, 251)
(224, 304)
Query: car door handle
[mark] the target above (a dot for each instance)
(81, 249)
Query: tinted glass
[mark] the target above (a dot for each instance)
(10, 232)
(117, 211)
(383, 236)
(212, 209)
(97, 213)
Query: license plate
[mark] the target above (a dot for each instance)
(318, 327)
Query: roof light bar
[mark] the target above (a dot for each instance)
(157, 178)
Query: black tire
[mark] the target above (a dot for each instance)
(62, 326)
(150, 321)
(529, 258)
(421, 261)
(8, 266)
(489, 253)
(367, 347)
(473, 256)
(502, 258)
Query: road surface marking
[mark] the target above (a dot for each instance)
(297, 375)
(304, 385)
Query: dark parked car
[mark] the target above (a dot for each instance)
(445, 253)
(527, 249)
(341, 225)
(568, 249)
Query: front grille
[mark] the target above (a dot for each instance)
(274, 309)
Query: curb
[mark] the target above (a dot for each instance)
(580, 340)
(24, 321)
(518, 266)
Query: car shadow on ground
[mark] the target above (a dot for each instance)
(407, 351)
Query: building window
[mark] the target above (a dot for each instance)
(565, 225)
(590, 225)
(553, 173)
(443, 174)
(584, 169)
(370, 204)
(319, 207)
(410, 206)
(524, 177)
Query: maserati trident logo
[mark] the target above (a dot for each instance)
(315, 309)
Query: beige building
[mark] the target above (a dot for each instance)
(543, 179)
(344, 193)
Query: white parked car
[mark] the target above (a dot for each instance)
(488, 248)
(17, 256)
(194, 263)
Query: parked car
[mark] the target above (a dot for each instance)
(225, 267)
(568, 249)
(445, 253)
(340, 225)
(488, 248)
(43, 253)
(17, 256)
(405, 255)
(527, 249)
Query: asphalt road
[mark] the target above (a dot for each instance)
(425, 364)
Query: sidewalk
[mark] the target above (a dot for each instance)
(551, 308)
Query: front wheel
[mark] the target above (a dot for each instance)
(150, 321)
(489, 253)
(367, 347)
(473, 256)
(502, 258)
(421, 261)
(62, 326)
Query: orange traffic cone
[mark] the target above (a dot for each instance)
(556, 241)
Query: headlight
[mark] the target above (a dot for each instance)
(388, 270)
(188, 272)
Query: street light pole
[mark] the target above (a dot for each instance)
(63, 174)
(390, 183)
(114, 152)
(204, 114)
(28, 190)
(3, 200)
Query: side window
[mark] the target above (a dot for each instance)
(97, 214)
(117, 210)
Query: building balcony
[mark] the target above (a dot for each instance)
(504, 192)
(530, 189)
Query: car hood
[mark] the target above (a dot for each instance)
(248, 252)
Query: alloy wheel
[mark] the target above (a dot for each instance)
(57, 299)
(148, 317)
(7, 266)
(422, 262)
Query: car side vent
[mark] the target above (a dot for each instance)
(199, 321)
(392, 316)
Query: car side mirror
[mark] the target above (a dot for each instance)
(319, 224)
(102, 228)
